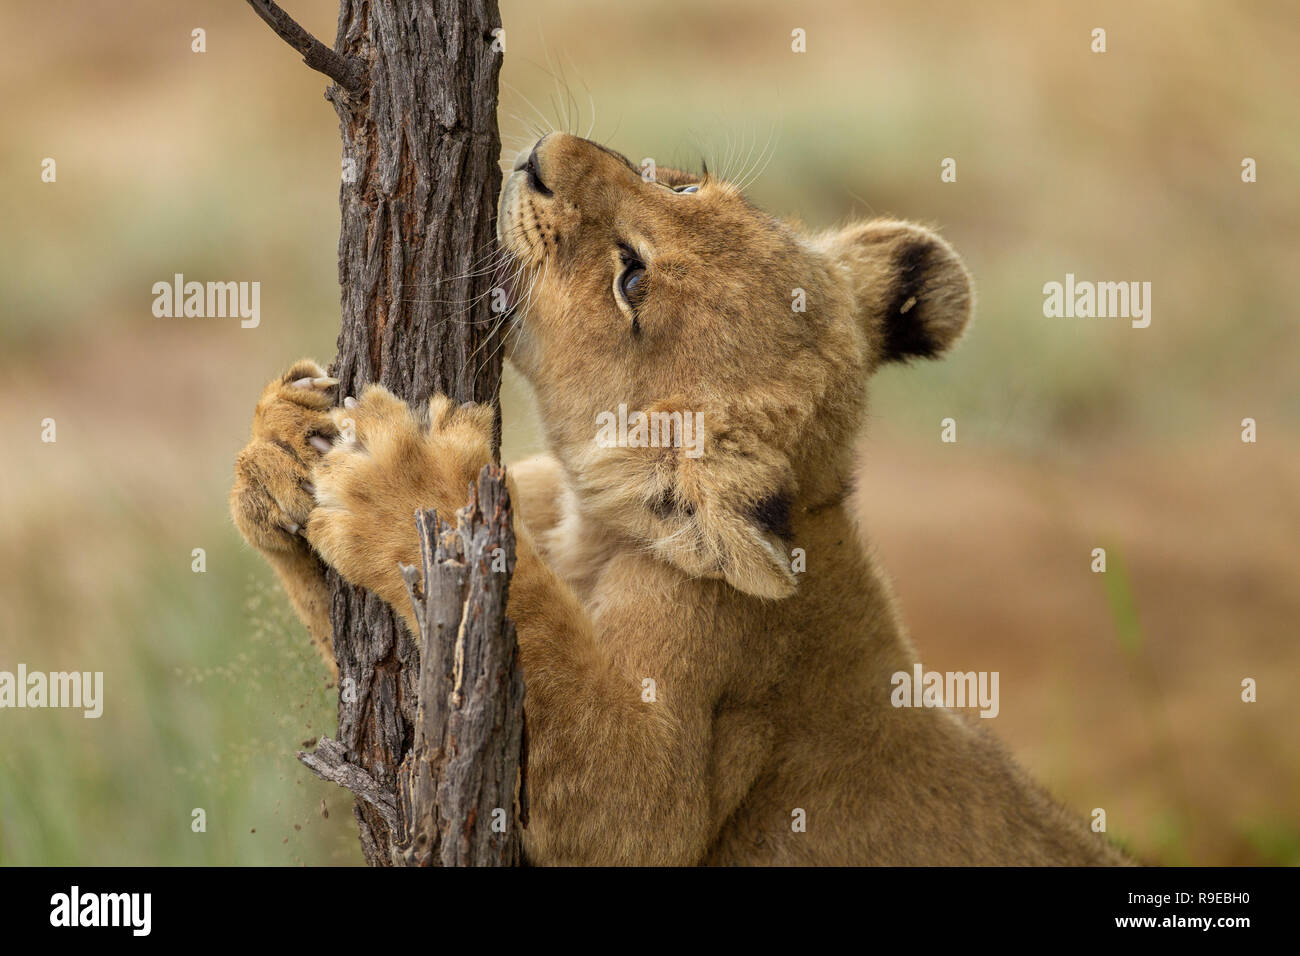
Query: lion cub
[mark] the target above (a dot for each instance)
(700, 369)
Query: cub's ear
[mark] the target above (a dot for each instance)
(912, 292)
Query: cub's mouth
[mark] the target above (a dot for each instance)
(520, 250)
(525, 196)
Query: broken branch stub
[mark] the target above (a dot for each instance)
(460, 788)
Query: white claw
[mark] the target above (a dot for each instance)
(320, 444)
(293, 528)
(302, 383)
(349, 402)
(324, 381)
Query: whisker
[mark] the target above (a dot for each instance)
(770, 149)
(546, 124)
(521, 314)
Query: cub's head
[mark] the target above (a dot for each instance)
(700, 365)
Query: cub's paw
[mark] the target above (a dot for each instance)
(387, 460)
(292, 428)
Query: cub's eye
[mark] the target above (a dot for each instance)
(632, 282)
(693, 188)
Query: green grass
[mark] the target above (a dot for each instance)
(213, 692)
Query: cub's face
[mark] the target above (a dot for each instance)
(744, 342)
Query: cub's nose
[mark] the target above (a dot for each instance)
(528, 161)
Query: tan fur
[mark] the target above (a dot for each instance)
(772, 689)
(271, 498)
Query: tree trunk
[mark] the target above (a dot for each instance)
(416, 100)
(421, 144)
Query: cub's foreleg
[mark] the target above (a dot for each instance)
(272, 494)
(612, 777)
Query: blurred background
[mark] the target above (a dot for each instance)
(1120, 691)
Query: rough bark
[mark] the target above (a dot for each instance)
(457, 788)
(418, 194)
